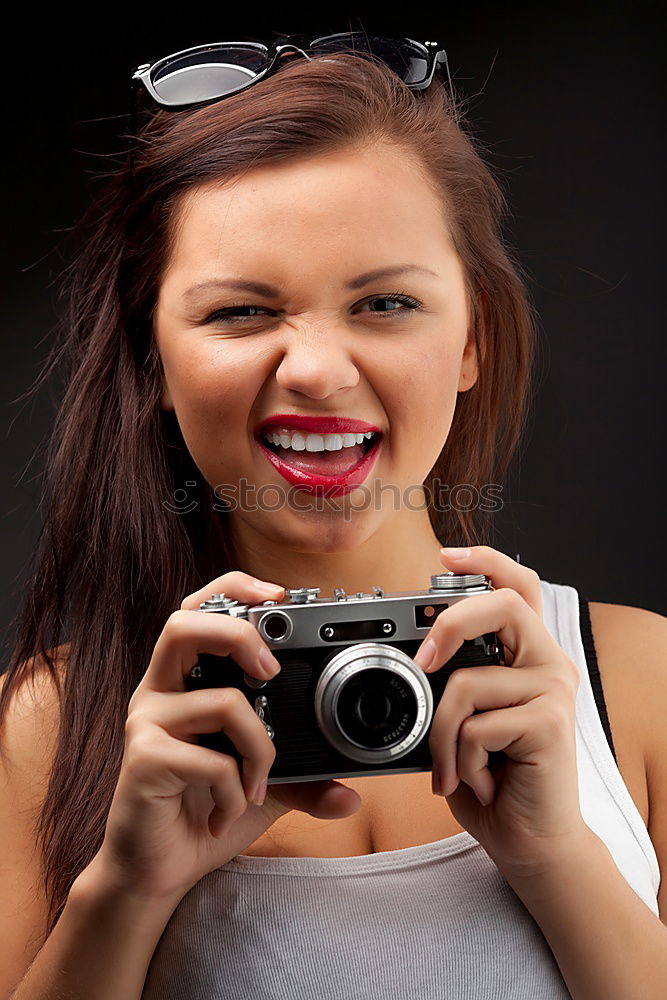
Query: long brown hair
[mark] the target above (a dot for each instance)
(111, 563)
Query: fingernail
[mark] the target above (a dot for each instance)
(436, 781)
(425, 654)
(268, 662)
(456, 553)
(260, 793)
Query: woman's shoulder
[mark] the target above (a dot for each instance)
(28, 738)
(631, 649)
(33, 710)
(58, 654)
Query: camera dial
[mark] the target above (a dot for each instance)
(450, 582)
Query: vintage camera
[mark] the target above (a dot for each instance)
(349, 699)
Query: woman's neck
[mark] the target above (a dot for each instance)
(401, 555)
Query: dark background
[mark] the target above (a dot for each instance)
(569, 101)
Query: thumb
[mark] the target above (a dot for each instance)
(322, 799)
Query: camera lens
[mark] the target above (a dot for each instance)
(372, 703)
(376, 708)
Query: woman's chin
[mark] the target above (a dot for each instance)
(315, 532)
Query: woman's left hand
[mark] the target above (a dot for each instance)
(526, 709)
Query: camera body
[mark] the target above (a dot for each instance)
(349, 699)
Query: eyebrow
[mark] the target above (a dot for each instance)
(269, 292)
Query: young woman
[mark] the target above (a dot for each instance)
(288, 281)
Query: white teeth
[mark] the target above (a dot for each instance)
(316, 442)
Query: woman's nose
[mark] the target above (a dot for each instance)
(316, 363)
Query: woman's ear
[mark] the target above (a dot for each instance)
(469, 371)
(469, 366)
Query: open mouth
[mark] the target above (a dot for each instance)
(333, 465)
(332, 462)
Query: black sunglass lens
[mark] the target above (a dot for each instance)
(405, 59)
(204, 75)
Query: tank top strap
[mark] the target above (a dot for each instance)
(606, 804)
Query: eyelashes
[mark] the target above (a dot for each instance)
(408, 303)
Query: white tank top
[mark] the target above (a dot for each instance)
(422, 923)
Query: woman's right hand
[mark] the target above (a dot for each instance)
(180, 810)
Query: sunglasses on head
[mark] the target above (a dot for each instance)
(207, 73)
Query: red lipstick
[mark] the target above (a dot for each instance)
(314, 425)
(317, 483)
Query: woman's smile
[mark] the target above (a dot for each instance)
(318, 453)
(331, 472)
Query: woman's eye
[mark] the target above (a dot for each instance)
(404, 303)
(226, 314)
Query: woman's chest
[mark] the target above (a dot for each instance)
(397, 810)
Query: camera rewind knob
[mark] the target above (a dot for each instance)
(224, 605)
(217, 602)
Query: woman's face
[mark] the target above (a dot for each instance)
(318, 342)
